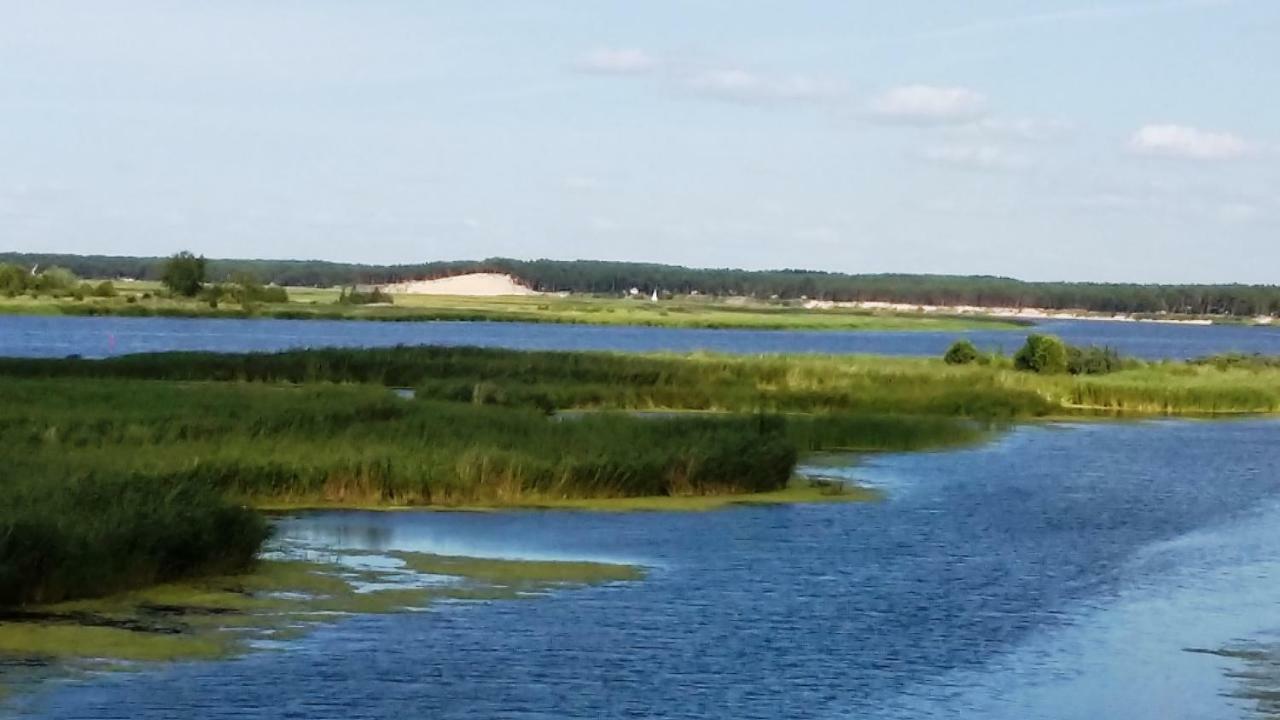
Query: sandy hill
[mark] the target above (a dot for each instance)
(475, 284)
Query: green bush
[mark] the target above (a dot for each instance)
(961, 352)
(55, 281)
(13, 280)
(1043, 354)
(1093, 360)
(183, 274)
(355, 296)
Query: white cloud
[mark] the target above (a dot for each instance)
(928, 105)
(1187, 142)
(739, 85)
(618, 61)
(976, 157)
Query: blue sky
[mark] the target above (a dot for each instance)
(1127, 140)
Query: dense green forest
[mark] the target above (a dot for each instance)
(586, 276)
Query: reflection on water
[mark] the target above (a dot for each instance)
(498, 536)
(1055, 573)
(337, 533)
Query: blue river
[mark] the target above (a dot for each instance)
(99, 337)
(1061, 572)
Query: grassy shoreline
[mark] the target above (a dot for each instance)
(147, 300)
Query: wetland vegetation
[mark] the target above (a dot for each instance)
(141, 470)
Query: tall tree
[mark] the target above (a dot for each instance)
(184, 274)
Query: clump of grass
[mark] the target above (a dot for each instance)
(94, 535)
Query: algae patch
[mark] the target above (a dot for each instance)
(286, 597)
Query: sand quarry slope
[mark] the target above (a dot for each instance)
(474, 284)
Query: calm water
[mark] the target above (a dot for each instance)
(1059, 572)
(98, 337)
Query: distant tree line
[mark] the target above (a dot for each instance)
(599, 277)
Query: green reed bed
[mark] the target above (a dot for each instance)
(550, 380)
(361, 445)
(1181, 389)
(858, 385)
(69, 537)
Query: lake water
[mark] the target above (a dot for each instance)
(1059, 572)
(99, 337)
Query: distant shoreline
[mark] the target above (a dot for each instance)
(1228, 301)
(1037, 314)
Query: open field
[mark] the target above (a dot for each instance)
(146, 299)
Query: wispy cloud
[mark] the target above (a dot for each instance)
(730, 83)
(738, 85)
(928, 105)
(976, 157)
(617, 61)
(1188, 142)
(1027, 129)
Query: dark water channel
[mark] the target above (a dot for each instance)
(1058, 572)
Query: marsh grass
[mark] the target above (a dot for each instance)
(127, 464)
(63, 538)
(548, 380)
(360, 445)
(862, 385)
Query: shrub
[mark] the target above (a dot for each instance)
(962, 352)
(1093, 360)
(1043, 354)
(105, 289)
(355, 296)
(13, 280)
(55, 281)
(184, 274)
(246, 289)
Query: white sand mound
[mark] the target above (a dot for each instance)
(474, 284)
